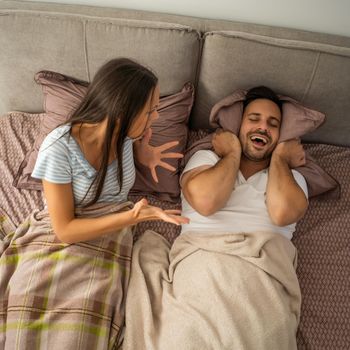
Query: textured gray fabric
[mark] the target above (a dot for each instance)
(78, 45)
(172, 51)
(200, 24)
(75, 40)
(317, 75)
(30, 43)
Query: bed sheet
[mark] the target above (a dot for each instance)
(322, 237)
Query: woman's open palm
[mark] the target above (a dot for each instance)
(146, 212)
(152, 157)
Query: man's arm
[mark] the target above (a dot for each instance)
(208, 188)
(285, 200)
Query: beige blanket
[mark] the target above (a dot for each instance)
(213, 291)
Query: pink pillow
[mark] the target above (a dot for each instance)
(297, 120)
(62, 94)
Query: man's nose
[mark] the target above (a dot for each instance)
(263, 126)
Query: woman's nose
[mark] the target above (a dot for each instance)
(152, 117)
(155, 115)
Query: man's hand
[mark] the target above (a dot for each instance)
(152, 157)
(207, 188)
(292, 152)
(225, 143)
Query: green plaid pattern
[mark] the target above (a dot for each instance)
(63, 296)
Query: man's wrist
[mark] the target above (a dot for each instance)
(234, 154)
(279, 159)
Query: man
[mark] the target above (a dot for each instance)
(229, 280)
(248, 183)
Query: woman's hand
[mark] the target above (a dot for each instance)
(145, 212)
(152, 157)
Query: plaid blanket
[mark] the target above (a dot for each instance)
(62, 296)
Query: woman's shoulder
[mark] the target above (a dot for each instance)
(57, 138)
(59, 131)
(62, 131)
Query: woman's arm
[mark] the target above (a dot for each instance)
(69, 229)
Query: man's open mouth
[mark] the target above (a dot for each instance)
(259, 140)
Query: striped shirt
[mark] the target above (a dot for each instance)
(61, 161)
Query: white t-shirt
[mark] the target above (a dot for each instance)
(245, 210)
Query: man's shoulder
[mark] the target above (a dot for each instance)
(205, 154)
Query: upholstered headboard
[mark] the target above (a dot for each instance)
(217, 56)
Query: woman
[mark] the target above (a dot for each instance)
(90, 158)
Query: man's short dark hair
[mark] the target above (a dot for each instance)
(261, 92)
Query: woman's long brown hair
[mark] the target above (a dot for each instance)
(119, 91)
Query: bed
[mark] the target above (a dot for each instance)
(216, 58)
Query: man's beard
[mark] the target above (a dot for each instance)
(249, 154)
(253, 158)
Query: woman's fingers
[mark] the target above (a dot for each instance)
(172, 215)
(154, 174)
(166, 166)
(140, 205)
(173, 211)
(172, 155)
(180, 220)
(167, 145)
(176, 219)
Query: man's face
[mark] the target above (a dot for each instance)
(260, 129)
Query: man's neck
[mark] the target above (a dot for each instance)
(249, 167)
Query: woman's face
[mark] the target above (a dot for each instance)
(146, 117)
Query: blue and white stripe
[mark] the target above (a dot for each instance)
(61, 161)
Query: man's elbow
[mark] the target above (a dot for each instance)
(206, 209)
(202, 203)
(285, 216)
(279, 219)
